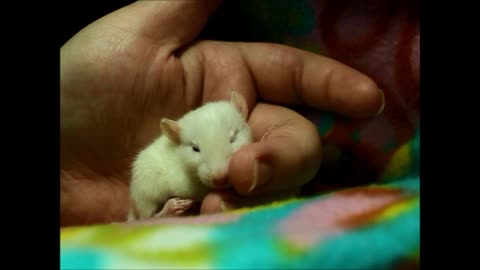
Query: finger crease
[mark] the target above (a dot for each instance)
(273, 127)
(250, 74)
(298, 80)
(328, 83)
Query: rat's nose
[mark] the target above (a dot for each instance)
(220, 180)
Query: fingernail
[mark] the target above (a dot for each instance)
(225, 205)
(383, 102)
(261, 175)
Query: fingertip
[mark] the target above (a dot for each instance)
(217, 202)
(365, 98)
(211, 204)
(371, 95)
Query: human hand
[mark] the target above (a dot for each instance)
(123, 73)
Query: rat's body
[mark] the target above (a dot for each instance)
(189, 159)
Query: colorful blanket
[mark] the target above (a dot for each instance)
(363, 209)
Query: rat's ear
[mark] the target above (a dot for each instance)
(171, 129)
(240, 103)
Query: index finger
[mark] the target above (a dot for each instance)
(288, 75)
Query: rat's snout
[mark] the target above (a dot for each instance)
(216, 178)
(214, 172)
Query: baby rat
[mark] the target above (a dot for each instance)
(190, 158)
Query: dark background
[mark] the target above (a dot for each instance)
(75, 15)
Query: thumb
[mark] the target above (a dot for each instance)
(170, 23)
(286, 153)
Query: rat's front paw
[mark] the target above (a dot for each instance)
(175, 207)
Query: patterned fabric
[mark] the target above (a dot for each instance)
(368, 216)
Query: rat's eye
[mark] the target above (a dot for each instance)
(234, 136)
(195, 148)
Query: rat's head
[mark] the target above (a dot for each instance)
(207, 137)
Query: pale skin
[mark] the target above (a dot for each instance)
(123, 73)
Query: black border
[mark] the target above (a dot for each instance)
(31, 121)
(32, 37)
(448, 135)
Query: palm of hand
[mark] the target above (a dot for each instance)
(123, 84)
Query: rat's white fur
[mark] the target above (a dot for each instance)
(168, 169)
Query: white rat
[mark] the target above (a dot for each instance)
(190, 158)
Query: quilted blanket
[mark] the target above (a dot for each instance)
(362, 211)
